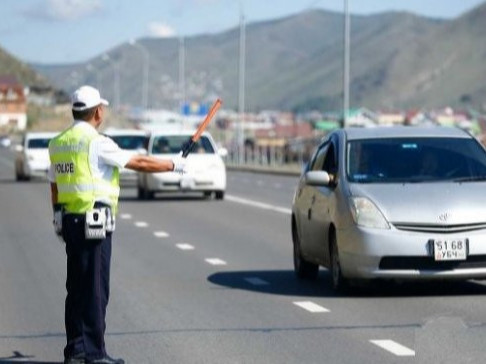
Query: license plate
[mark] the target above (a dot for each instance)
(450, 249)
(187, 183)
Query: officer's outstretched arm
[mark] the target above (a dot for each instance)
(143, 163)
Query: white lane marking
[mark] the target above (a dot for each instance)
(185, 246)
(393, 347)
(125, 216)
(311, 306)
(260, 205)
(141, 224)
(215, 261)
(161, 234)
(256, 281)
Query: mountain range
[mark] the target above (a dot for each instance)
(398, 60)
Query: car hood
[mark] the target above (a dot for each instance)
(41, 155)
(428, 203)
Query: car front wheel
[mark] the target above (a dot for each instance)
(302, 268)
(338, 281)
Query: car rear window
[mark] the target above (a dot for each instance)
(172, 144)
(130, 142)
(38, 143)
(404, 160)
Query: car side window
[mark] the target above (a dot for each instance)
(330, 161)
(319, 158)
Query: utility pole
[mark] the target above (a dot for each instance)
(241, 88)
(346, 63)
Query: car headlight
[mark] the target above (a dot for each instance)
(366, 214)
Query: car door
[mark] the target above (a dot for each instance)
(322, 205)
(306, 195)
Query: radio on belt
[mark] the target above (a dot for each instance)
(95, 227)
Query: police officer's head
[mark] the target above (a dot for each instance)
(87, 105)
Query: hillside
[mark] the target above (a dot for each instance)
(9, 65)
(397, 60)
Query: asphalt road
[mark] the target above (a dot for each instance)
(205, 281)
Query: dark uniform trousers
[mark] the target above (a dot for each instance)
(88, 289)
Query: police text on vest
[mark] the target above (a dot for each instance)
(64, 168)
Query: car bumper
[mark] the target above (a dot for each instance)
(396, 254)
(128, 178)
(169, 181)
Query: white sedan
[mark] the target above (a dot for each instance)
(32, 159)
(206, 171)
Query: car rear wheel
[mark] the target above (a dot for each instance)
(338, 281)
(144, 194)
(302, 268)
(219, 195)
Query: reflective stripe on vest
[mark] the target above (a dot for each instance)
(78, 189)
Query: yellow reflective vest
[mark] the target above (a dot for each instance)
(78, 188)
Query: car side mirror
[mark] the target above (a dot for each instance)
(317, 178)
(222, 152)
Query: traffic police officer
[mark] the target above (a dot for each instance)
(84, 178)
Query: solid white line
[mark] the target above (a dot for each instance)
(141, 224)
(215, 261)
(311, 306)
(185, 246)
(260, 205)
(393, 347)
(256, 281)
(161, 234)
(125, 216)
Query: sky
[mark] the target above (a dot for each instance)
(71, 31)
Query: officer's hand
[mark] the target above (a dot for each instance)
(179, 164)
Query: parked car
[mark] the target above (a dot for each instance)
(206, 171)
(392, 203)
(132, 141)
(32, 156)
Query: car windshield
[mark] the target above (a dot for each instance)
(38, 143)
(130, 142)
(172, 144)
(409, 160)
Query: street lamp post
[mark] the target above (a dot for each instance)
(116, 80)
(346, 63)
(182, 73)
(90, 68)
(145, 78)
(241, 83)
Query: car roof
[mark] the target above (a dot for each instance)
(128, 132)
(40, 135)
(405, 131)
(177, 133)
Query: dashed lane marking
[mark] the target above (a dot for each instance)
(185, 246)
(256, 281)
(393, 347)
(161, 234)
(260, 205)
(311, 306)
(125, 216)
(215, 261)
(141, 224)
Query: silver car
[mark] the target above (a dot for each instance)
(392, 203)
